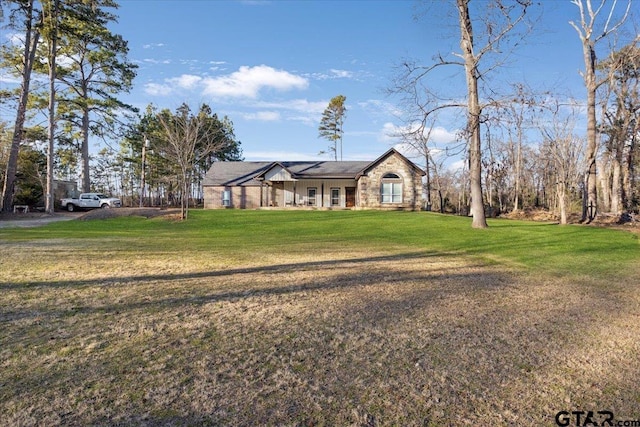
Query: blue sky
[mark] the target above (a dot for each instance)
(273, 66)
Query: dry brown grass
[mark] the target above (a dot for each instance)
(91, 338)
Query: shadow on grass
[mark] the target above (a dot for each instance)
(244, 290)
(278, 268)
(414, 346)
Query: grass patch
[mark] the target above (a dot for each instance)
(316, 318)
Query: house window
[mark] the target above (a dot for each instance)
(391, 189)
(226, 198)
(335, 197)
(311, 195)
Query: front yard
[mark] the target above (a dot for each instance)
(316, 318)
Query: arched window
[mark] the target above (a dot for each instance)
(391, 188)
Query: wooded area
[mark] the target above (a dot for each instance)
(522, 146)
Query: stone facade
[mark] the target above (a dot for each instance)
(370, 185)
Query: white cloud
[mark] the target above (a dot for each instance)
(156, 61)
(456, 166)
(389, 133)
(152, 45)
(185, 81)
(341, 74)
(216, 65)
(156, 89)
(333, 74)
(298, 105)
(295, 110)
(439, 135)
(247, 82)
(263, 116)
(380, 107)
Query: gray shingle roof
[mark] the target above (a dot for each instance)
(244, 173)
(235, 173)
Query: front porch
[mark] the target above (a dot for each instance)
(312, 194)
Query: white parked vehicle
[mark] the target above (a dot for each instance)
(90, 201)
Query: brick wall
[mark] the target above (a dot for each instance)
(241, 197)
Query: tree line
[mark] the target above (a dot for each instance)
(68, 45)
(523, 147)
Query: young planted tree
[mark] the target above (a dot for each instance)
(594, 26)
(186, 139)
(331, 124)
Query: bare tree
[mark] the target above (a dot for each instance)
(480, 54)
(187, 139)
(620, 128)
(591, 32)
(565, 151)
(472, 58)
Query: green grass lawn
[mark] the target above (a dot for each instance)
(316, 318)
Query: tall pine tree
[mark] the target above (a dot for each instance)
(331, 124)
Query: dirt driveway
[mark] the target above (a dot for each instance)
(35, 219)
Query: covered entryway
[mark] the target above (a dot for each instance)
(350, 197)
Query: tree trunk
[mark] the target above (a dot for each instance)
(428, 207)
(629, 175)
(49, 203)
(589, 211)
(605, 182)
(516, 199)
(473, 116)
(562, 202)
(31, 43)
(616, 186)
(86, 176)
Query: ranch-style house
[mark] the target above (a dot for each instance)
(390, 182)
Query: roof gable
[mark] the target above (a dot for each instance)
(389, 153)
(276, 172)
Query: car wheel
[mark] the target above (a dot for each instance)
(105, 206)
(70, 207)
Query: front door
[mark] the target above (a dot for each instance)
(350, 196)
(277, 194)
